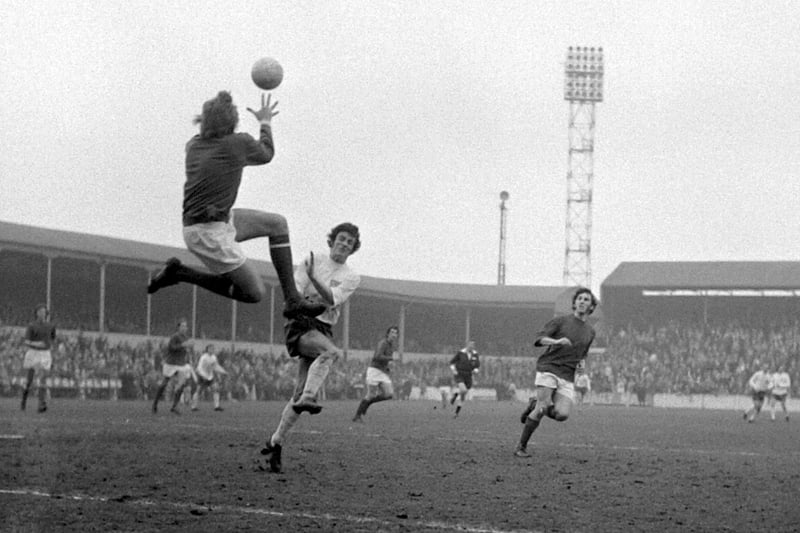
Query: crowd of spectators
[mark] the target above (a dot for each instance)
(692, 358)
(671, 357)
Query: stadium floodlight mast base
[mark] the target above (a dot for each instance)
(583, 88)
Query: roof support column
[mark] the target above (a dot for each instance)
(49, 295)
(467, 321)
(149, 312)
(401, 328)
(101, 326)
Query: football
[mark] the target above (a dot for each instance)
(267, 73)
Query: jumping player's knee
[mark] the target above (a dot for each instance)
(329, 356)
(559, 416)
(250, 295)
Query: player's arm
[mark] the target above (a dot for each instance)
(262, 152)
(325, 292)
(551, 334)
(476, 364)
(550, 341)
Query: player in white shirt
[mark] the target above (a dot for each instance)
(781, 383)
(760, 384)
(208, 368)
(321, 278)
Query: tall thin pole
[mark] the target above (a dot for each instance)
(501, 261)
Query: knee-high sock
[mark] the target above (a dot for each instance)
(363, 406)
(317, 373)
(41, 391)
(375, 399)
(176, 397)
(216, 399)
(288, 419)
(211, 282)
(280, 251)
(527, 431)
(160, 391)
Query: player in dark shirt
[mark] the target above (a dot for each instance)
(379, 384)
(464, 364)
(176, 366)
(212, 229)
(568, 339)
(39, 338)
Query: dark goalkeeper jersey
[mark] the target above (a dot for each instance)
(214, 173)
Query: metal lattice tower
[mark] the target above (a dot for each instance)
(583, 88)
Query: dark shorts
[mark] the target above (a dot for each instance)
(758, 396)
(296, 328)
(203, 382)
(779, 397)
(466, 379)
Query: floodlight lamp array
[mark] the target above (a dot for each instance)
(584, 74)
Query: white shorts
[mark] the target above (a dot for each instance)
(37, 359)
(184, 372)
(214, 243)
(551, 381)
(376, 377)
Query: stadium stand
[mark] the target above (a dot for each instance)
(669, 328)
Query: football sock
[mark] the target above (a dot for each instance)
(41, 393)
(362, 407)
(280, 252)
(288, 419)
(176, 398)
(216, 399)
(317, 373)
(160, 391)
(211, 282)
(527, 431)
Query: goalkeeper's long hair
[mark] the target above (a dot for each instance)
(219, 117)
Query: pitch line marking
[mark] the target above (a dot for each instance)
(11, 437)
(430, 524)
(561, 444)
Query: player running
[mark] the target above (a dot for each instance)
(327, 278)
(568, 339)
(212, 229)
(781, 383)
(760, 383)
(208, 368)
(39, 338)
(464, 364)
(176, 366)
(379, 384)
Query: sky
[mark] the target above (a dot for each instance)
(409, 118)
